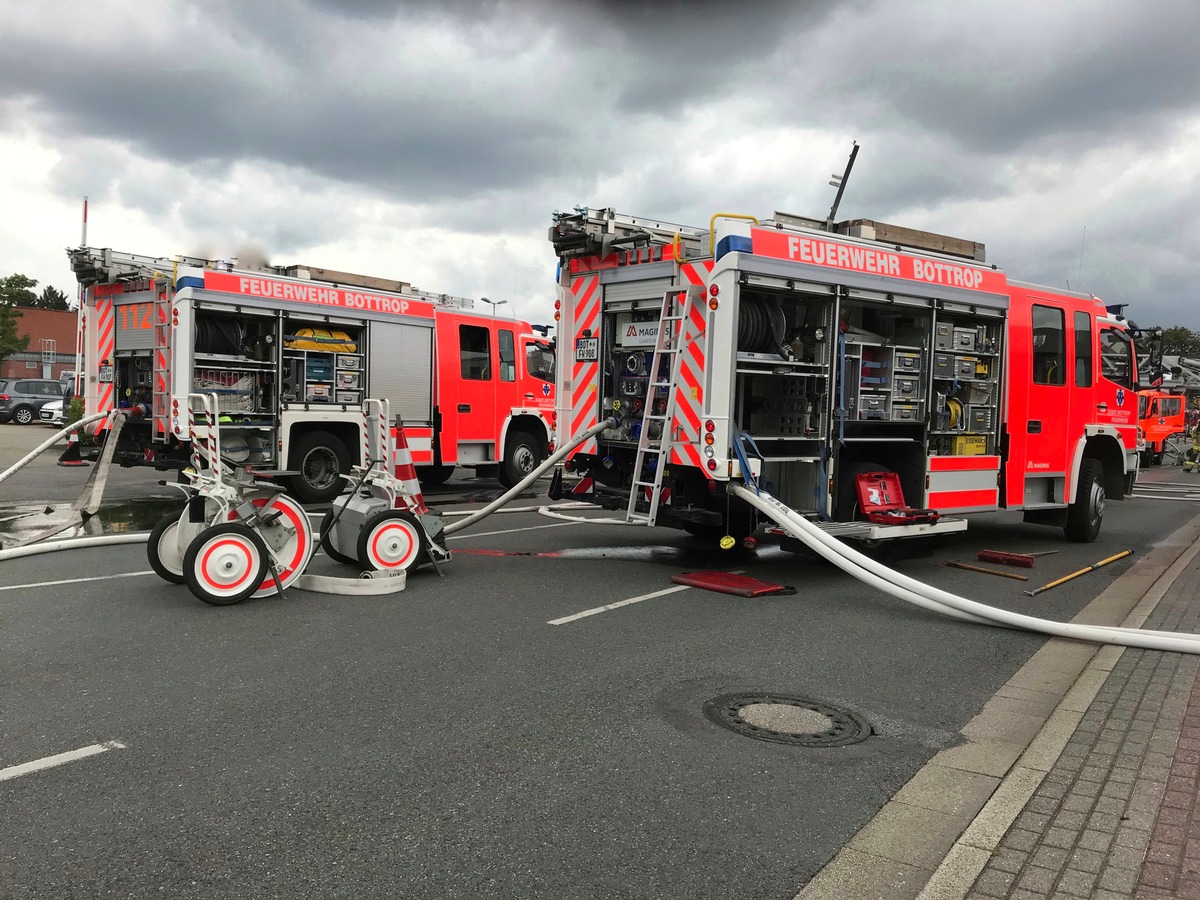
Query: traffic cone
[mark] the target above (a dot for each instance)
(70, 456)
(406, 474)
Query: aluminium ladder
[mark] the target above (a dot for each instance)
(668, 346)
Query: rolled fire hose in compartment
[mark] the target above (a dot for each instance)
(761, 324)
(928, 597)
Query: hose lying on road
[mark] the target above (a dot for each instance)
(100, 540)
(928, 597)
(550, 462)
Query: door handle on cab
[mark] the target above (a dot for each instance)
(529, 396)
(1102, 406)
(464, 407)
(1033, 426)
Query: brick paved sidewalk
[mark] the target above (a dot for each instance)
(1117, 814)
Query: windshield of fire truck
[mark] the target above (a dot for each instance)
(539, 360)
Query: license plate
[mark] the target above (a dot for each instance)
(106, 375)
(587, 349)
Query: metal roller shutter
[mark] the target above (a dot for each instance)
(401, 370)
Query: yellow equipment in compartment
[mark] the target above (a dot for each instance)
(969, 445)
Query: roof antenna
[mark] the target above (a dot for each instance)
(1082, 244)
(839, 182)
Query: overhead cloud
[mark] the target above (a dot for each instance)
(431, 142)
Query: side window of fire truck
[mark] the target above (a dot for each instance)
(1170, 406)
(1049, 349)
(475, 352)
(1083, 349)
(539, 360)
(508, 356)
(1116, 357)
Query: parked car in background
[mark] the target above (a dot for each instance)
(21, 399)
(52, 414)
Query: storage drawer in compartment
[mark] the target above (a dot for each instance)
(318, 393)
(943, 365)
(980, 418)
(319, 369)
(907, 362)
(964, 367)
(349, 361)
(353, 397)
(872, 406)
(907, 387)
(943, 337)
(906, 412)
(964, 339)
(348, 381)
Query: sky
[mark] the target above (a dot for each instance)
(431, 143)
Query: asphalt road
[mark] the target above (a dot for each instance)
(448, 742)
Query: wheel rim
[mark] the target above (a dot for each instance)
(294, 554)
(1097, 504)
(524, 460)
(225, 564)
(393, 544)
(24, 416)
(168, 549)
(320, 467)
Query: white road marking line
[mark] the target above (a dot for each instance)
(459, 537)
(49, 762)
(38, 584)
(599, 609)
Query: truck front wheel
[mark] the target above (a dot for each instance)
(521, 456)
(320, 458)
(1086, 513)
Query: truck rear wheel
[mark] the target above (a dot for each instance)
(432, 476)
(1086, 513)
(521, 456)
(320, 457)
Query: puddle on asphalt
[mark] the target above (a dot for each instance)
(19, 523)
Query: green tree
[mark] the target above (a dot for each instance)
(11, 341)
(17, 290)
(1180, 341)
(51, 298)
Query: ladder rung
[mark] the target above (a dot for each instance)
(649, 484)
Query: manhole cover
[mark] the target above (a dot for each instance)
(787, 720)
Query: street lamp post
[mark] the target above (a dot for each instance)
(493, 303)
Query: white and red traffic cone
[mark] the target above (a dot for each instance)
(406, 474)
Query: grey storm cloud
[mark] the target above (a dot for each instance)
(484, 115)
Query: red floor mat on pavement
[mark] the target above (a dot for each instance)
(728, 583)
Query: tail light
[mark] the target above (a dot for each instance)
(5, 397)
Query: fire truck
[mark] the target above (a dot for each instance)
(1160, 414)
(291, 353)
(801, 354)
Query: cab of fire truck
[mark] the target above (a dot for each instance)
(1160, 415)
(1071, 423)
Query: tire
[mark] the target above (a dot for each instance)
(225, 564)
(432, 476)
(392, 540)
(521, 456)
(321, 458)
(1086, 514)
(23, 415)
(328, 545)
(162, 549)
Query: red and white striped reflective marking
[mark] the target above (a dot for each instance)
(105, 353)
(963, 483)
(585, 405)
(689, 389)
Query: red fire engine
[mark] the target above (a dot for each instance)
(803, 354)
(292, 352)
(1160, 415)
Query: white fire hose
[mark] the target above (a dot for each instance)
(928, 597)
(549, 463)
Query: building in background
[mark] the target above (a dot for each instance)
(51, 349)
